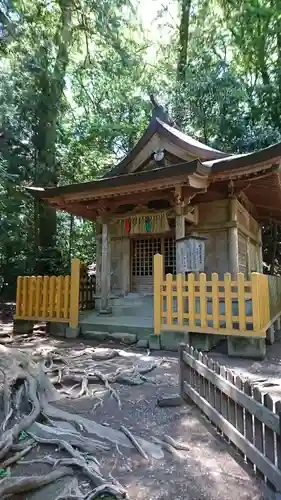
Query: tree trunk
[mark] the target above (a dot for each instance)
(185, 7)
(278, 62)
(51, 87)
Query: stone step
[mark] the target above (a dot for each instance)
(142, 331)
(131, 311)
(132, 299)
(123, 337)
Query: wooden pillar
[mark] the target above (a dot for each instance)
(74, 293)
(98, 257)
(126, 270)
(180, 224)
(105, 269)
(180, 234)
(233, 240)
(260, 255)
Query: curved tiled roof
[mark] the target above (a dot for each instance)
(184, 141)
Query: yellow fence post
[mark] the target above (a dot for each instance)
(157, 283)
(256, 302)
(180, 309)
(241, 301)
(74, 293)
(19, 296)
(203, 300)
(268, 298)
(228, 301)
(265, 300)
(215, 301)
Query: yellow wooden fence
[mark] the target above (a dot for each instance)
(49, 298)
(225, 307)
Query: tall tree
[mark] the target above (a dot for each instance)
(184, 33)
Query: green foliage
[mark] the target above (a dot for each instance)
(74, 87)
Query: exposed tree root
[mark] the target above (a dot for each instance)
(10, 435)
(13, 485)
(107, 385)
(59, 435)
(71, 491)
(7, 402)
(134, 441)
(22, 444)
(168, 447)
(176, 444)
(84, 388)
(15, 458)
(28, 392)
(106, 488)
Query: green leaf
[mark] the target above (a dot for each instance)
(4, 472)
(23, 436)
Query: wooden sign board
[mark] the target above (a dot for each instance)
(191, 253)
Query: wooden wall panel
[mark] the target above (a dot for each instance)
(213, 212)
(242, 253)
(120, 266)
(216, 252)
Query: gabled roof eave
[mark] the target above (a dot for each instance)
(156, 126)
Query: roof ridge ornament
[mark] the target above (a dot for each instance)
(158, 111)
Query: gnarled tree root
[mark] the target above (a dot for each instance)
(134, 441)
(108, 488)
(17, 456)
(13, 485)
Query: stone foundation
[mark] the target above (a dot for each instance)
(72, 333)
(23, 326)
(170, 341)
(270, 335)
(57, 329)
(204, 342)
(246, 347)
(154, 342)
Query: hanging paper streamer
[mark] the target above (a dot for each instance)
(156, 223)
(147, 224)
(127, 225)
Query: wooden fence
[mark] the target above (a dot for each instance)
(247, 417)
(225, 307)
(87, 289)
(274, 286)
(49, 298)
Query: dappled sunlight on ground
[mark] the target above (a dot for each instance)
(265, 373)
(209, 470)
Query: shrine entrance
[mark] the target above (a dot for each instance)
(142, 253)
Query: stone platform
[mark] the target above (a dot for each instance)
(131, 322)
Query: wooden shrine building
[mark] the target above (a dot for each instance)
(168, 187)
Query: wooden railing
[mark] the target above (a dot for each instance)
(274, 286)
(49, 298)
(224, 307)
(87, 289)
(249, 418)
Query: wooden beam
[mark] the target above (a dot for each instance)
(139, 187)
(180, 223)
(233, 239)
(105, 268)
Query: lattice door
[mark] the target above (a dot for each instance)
(142, 261)
(169, 253)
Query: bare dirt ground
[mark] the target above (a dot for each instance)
(209, 470)
(267, 371)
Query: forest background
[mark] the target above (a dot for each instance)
(75, 87)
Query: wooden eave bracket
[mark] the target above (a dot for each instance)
(192, 214)
(251, 172)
